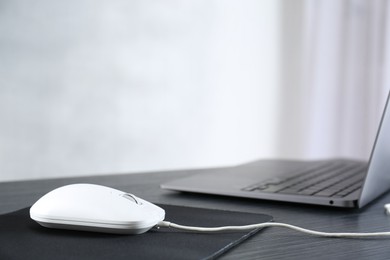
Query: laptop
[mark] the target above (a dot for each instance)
(333, 182)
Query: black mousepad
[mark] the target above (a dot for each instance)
(23, 238)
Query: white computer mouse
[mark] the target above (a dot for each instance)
(91, 207)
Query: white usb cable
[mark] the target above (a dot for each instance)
(168, 224)
(270, 224)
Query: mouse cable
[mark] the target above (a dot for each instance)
(168, 224)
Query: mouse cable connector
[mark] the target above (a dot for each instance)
(168, 224)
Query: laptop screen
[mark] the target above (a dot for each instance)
(378, 174)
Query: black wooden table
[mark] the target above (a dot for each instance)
(270, 243)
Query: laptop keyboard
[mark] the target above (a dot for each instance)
(329, 180)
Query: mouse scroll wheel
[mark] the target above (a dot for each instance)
(132, 198)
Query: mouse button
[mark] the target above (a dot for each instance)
(154, 210)
(132, 198)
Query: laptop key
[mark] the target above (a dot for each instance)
(289, 191)
(271, 188)
(325, 193)
(348, 191)
(307, 191)
(255, 187)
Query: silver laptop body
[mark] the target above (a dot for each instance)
(335, 182)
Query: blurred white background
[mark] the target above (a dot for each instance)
(97, 87)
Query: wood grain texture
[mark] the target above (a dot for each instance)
(271, 243)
